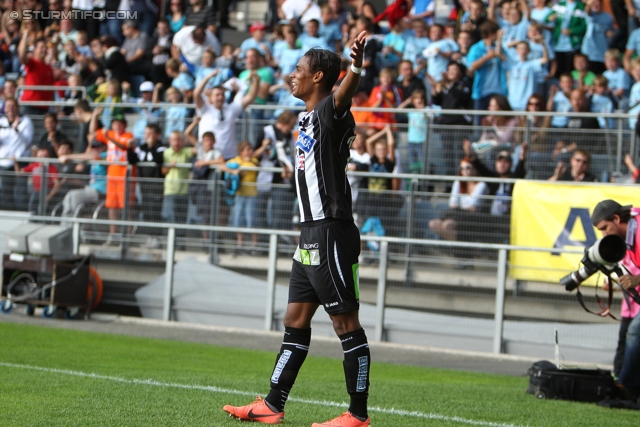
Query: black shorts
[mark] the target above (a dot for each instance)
(325, 267)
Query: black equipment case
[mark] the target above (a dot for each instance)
(546, 381)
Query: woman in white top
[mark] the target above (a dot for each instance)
(465, 207)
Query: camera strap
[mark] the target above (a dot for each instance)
(606, 309)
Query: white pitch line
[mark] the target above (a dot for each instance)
(214, 389)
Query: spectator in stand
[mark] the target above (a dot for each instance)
(342, 15)
(601, 102)
(111, 96)
(182, 80)
(219, 117)
(538, 140)
(464, 44)
(66, 33)
(634, 94)
(423, 10)
(393, 46)
(257, 41)
(330, 29)
(359, 161)
(146, 14)
(51, 138)
(16, 135)
(176, 16)
(580, 104)
(150, 183)
(176, 184)
(278, 143)
(619, 80)
(190, 43)
(246, 195)
(570, 28)
(409, 82)
(114, 62)
(578, 171)
(537, 46)
(438, 53)
(11, 38)
(120, 144)
(82, 114)
(311, 38)
(386, 95)
(486, 63)
(501, 191)
(35, 169)
(175, 114)
(497, 130)
(8, 91)
(161, 45)
(82, 44)
(371, 49)
(146, 115)
(69, 178)
(226, 58)
(300, 11)
(290, 55)
(417, 129)
(466, 210)
(96, 189)
(453, 93)
(37, 73)
(202, 195)
(558, 100)
(255, 65)
(518, 24)
(474, 20)
(415, 45)
(88, 24)
(632, 48)
(197, 14)
(31, 30)
(112, 27)
(135, 49)
(540, 13)
(523, 74)
(582, 77)
(599, 31)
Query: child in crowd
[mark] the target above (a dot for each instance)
(416, 43)
(619, 80)
(417, 131)
(244, 206)
(464, 43)
(207, 67)
(537, 44)
(176, 184)
(634, 95)
(226, 58)
(148, 94)
(330, 29)
(256, 41)
(582, 77)
(176, 114)
(438, 53)
(385, 95)
(35, 168)
(201, 195)
(523, 74)
(82, 44)
(290, 55)
(109, 94)
(599, 32)
(310, 37)
(392, 47)
(181, 79)
(381, 149)
(601, 101)
(161, 43)
(559, 100)
(73, 80)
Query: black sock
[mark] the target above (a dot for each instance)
(357, 360)
(293, 351)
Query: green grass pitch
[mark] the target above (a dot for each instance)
(54, 377)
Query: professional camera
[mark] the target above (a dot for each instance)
(601, 256)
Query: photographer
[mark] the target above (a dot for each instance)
(613, 219)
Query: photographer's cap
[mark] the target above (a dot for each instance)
(605, 209)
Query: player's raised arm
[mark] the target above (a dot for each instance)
(349, 85)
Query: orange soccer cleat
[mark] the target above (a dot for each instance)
(345, 420)
(258, 411)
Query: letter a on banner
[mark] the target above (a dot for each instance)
(564, 239)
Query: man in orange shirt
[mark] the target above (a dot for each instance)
(120, 144)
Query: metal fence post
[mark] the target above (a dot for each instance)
(500, 289)
(408, 278)
(271, 282)
(168, 274)
(620, 134)
(425, 146)
(215, 206)
(382, 291)
(42, 196)
(245, 123)
(76, 237)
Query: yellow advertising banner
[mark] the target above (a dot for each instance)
(557, 216)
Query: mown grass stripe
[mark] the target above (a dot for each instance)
(214, 389)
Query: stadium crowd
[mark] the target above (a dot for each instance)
(529, 56)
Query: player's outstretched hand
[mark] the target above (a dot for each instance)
(357, 49)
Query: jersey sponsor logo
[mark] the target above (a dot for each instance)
(282, 361)
(305, 142)
(300, 163)
(363, 369)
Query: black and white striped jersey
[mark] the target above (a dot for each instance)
(322, 153)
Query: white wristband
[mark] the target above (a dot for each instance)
(355, 69)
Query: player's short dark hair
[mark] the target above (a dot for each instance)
(327, 62)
